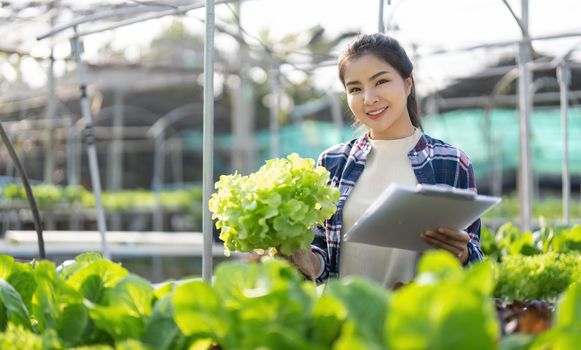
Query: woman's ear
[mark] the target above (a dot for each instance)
(409, 82)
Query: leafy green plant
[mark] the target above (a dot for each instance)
(356, 316)
(446, 307)
(93, 303)
(46, 195)
(49, 196)
(74, 194)
(250, 306)
(13, 192)
(509, 240)
(17, 337)
(273, 207)
(538, 277)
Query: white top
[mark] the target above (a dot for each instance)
(387, 163)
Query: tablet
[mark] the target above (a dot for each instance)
(400, 214)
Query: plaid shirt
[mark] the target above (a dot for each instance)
(433, 162)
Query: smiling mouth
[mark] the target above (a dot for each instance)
(376, 114)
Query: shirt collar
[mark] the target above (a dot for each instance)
(363, 146)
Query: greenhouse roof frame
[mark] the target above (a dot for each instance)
(524, 98)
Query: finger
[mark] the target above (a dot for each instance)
(454, 234)
(437, 243)
(441, 244)
(458, 245)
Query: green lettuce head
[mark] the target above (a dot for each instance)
(273, 207)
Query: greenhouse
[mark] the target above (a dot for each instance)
(280, 174)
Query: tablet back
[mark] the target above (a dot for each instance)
(400, 214)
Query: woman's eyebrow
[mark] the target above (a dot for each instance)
(353, 82)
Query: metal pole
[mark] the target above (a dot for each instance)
(335, 103)
(381, 24)
(158, 178)
(116, 173)
(490, 147)
(102, 15)
(124, 12)
(242, 119)
(49, 159)
(208, 152)
(525, 106)
(246, 101)
(178, 160)
(564, 76)
(274, 127)
(73, 149)
(77, 51)
(497, 167)
(115, 163)
(500, 43)
(50, 114)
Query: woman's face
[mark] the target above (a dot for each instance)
(377, 96)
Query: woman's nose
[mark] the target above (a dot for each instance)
(370, 97)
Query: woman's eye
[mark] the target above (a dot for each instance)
(382, 81)
(353, 90)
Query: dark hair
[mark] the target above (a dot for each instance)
(389, 50)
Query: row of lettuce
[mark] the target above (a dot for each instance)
(533, 265)
(190, 199)
(94, 303)
(52, 196)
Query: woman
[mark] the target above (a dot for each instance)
(377, 76)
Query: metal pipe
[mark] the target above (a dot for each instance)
(523, 28)
(564, 77)
(178, 161)
(242, 118)
(526, 40)
(208, 132)
(381, 24)
(525, 106)
(115, 154)
(147, 17)
(159, 178)
(274, 125)
(335, 103)
(50, 115)
(73, 150)
(89, 136)
(116, 165)
(98, 16)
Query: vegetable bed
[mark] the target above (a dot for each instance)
(95, 303)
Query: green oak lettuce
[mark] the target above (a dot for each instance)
(537, 277)
(273, 207)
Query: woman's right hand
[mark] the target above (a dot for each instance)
(307, 262)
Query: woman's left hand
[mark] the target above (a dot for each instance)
(454, 241)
